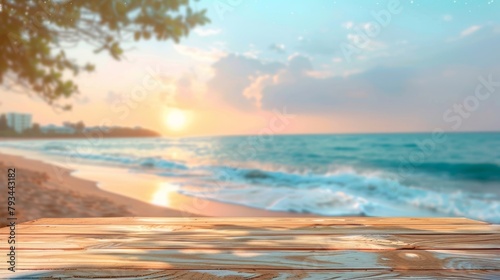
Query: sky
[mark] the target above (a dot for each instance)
(290, 66)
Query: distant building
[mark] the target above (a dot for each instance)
(57, 129)
(19, 122)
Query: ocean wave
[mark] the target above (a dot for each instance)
(342, 193)
(55, 147)
(325, 175)
(121, 159)
(227, 173)
(323, 201)
(468, 171)
(160, 163)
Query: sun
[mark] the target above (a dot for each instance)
(176, 119)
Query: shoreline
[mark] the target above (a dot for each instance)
(42, 193)
(47, 190)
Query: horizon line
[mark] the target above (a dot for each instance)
(332, 133)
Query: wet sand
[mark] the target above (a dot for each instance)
(45, 190)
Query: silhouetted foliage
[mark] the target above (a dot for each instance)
(79, 126)
(80, 132)
(33, 35)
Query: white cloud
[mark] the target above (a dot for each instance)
(365, 42)
(347, 73)
(204, 32)
(319, 74)
(348, 24)
(254, 90)
(252, 53)
(468, 31)
(199, 54)
(368, 26)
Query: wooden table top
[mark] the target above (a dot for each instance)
(254, 248)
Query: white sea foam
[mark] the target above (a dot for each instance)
(342, 193)
(327, 178)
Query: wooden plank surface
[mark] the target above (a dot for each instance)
(252, 229)
(256, 242)
(242, 274)
(255, 248)
(256, 259)
(257, 220)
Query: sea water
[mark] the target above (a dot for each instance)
(455, 174)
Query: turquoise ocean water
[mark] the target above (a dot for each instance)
(360, 174)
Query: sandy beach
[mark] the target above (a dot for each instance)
(45, 190)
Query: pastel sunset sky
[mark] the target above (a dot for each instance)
(290, 66)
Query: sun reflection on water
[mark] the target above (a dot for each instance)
(162, 195)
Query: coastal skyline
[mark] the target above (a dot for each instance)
(303, 67)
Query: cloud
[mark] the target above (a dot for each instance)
(319, 74)
(233, 74)
(478, 50)
(204, 32)
(211, 55)
(382, 90)
(295, 88)
(365, 44)
(252, 52)
(249, 84)
(358, 37)
(468, 31)
(280, 48)
(348, 25)
(254, 90)
(298, 65)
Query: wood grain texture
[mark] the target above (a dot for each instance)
(242, 274)
(260, 248)
(256, 259)
(259, 220)
(256, 242)
(255, 229)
